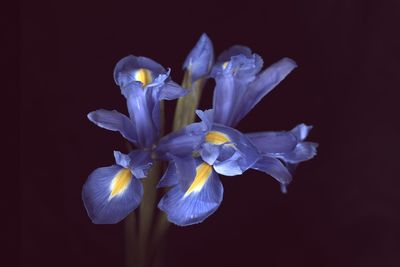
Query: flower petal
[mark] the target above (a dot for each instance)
(110, 194)
(140, 106)
(273, 167)
(125, 71)
(170, 177)
(273, 142)
(241, 153)
(172, 90)
(206, 195)
(182, 142)
(200, 58)
(303, 151)
(265, 82)
(140, 163)
(114, 121)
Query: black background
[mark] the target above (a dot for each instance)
(342, 208)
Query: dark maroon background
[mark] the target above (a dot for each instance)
(342, 208)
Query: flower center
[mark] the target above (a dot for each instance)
(144, 76)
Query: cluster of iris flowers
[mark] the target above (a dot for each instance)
(199, 152)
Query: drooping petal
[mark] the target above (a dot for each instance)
(273, 142)
(110, 194)
(265, 82)
(195, 204)
(200, 59)
(136, 69)
(273, 167)
(114, 121)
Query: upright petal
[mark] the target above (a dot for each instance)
(232, 79)
(197, 202)
(273, 167)
(265, 82)
(110, 194)
(114, 121)
(140, 107)
(200, 59)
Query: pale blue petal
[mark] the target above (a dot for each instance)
(265, 82)
(273, 142)
(170, 177)
(230, 166)
(140, 107)
(140, 163)
(182, 142)
(186, 170)
(122, 159)
(245, 155)
(302, 152)
(200, 58)
(301, 131)
(114, 121)
(273, 167)
(210, 152)
(96, 196)
(206, 116)
(171, 90)
(196, 207)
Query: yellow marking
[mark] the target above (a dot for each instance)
(217, 138)
(203, 172)
(120, 182)
(225, 65)
(144, 76)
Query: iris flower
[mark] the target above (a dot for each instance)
(197, 154)
(144, 83)
(240, 83)
(111, 193)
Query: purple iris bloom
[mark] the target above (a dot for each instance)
(197, 154)
(111, 193)
(240, 85)
(144, 83)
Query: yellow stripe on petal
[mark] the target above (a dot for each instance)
(144, 76)
(225, 65)
(203, 172)
(120, 182)
(217, 138)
